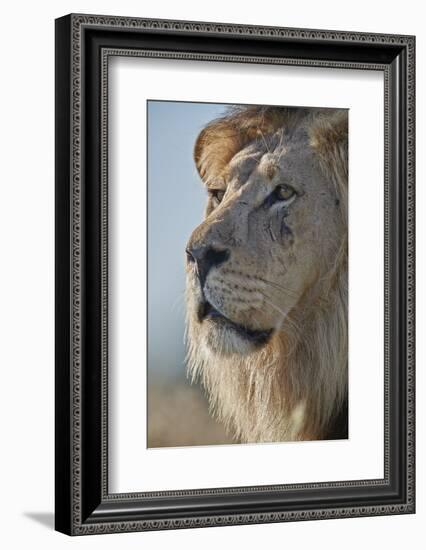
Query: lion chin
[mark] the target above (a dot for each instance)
(225, 337)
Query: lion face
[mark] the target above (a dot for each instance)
(271, 233)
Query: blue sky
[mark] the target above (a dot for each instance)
(176, 200)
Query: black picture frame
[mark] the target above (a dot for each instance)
(83, 45)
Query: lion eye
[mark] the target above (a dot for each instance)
(284, 192)
(217, 195)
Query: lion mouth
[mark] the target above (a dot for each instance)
(208, 312)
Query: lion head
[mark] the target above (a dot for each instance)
(267, 272)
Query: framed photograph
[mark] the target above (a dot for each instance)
(234, 274)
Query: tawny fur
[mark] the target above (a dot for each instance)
(294, 386)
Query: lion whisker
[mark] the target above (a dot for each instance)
(274, 306)
(264, 140)
(279, 146)
(178, 301)
(284, 316)
(278, 286)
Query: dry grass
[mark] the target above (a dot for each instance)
(178, 416)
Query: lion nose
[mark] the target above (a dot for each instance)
(206, 257)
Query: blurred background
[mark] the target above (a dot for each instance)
(177, 411)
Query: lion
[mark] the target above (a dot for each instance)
(267, 273)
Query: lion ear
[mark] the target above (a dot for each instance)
(329, 137)
(220, 140)
(216, 144)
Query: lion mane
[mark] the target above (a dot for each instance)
(295, 386)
